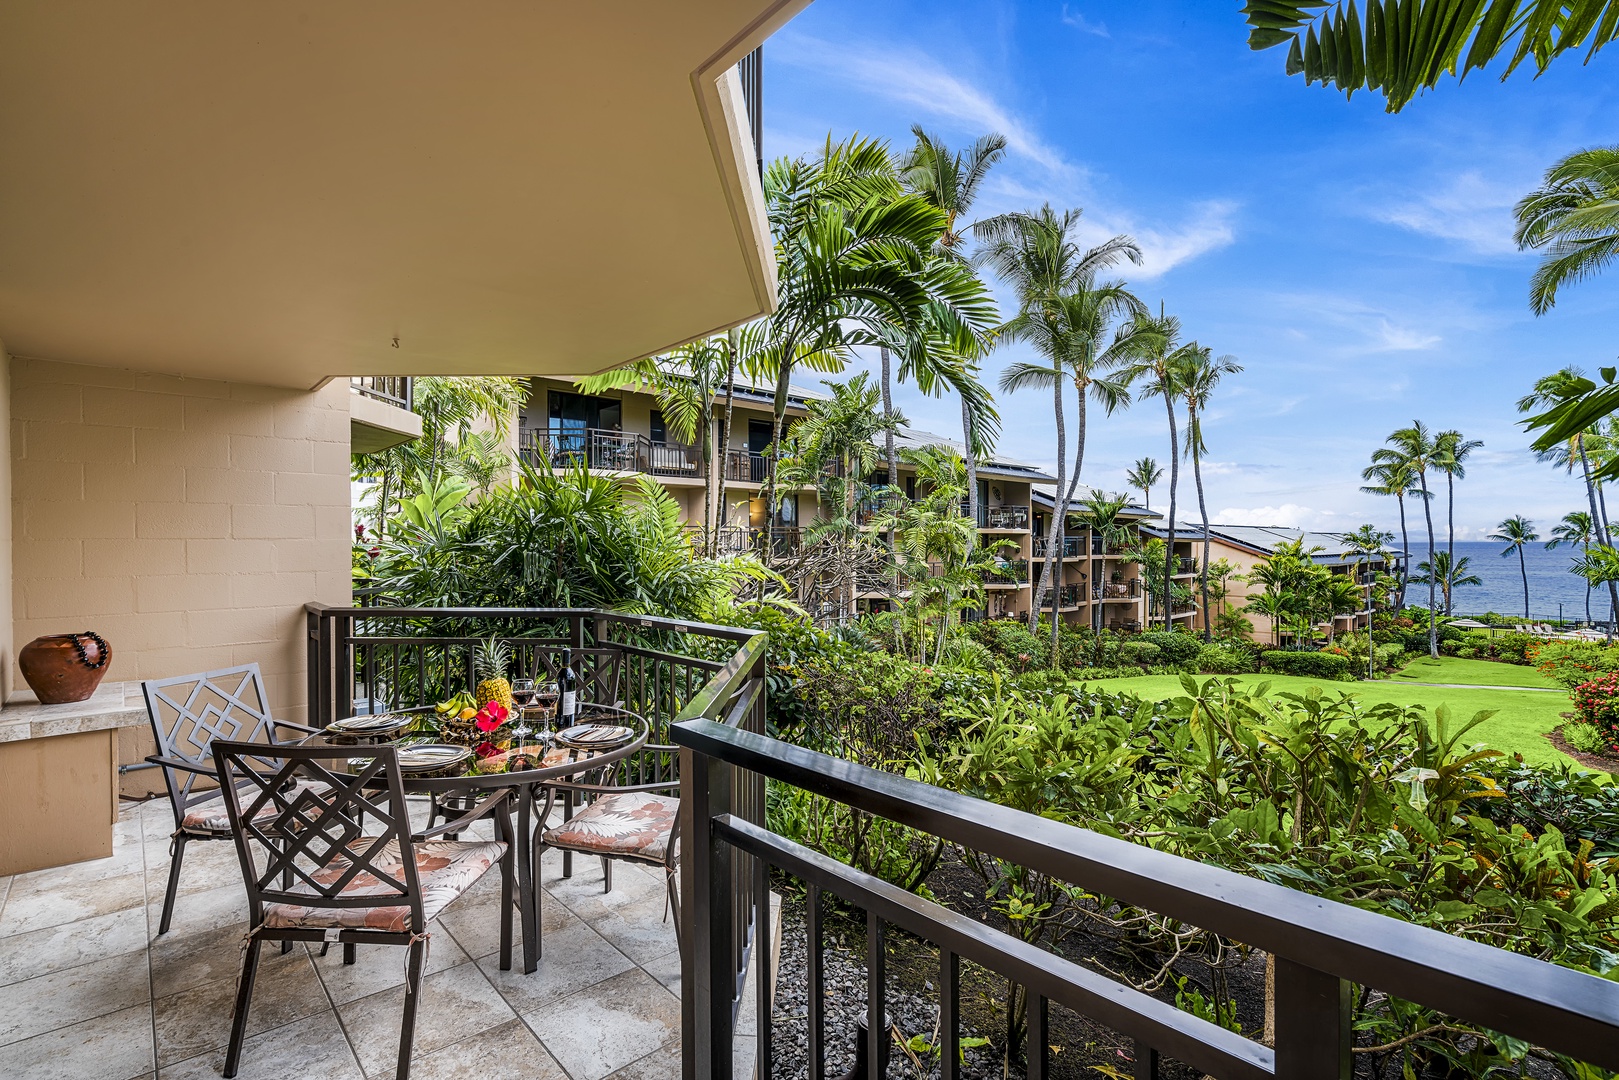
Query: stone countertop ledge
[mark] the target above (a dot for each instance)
(113, 705)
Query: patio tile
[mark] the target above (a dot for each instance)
(666, 969)
(184, 958)
(662, 1064)
(637, 930)
(207, 865)
(510, 1051)
(39, 903)
(310, 1049)
(572, 959)
(609, 1025)
(474, 920)
(455, 1004)
(56, 948)
(210, 909)
(42, 1004)
(113, 1047)
(379, 967)
(197, 1020)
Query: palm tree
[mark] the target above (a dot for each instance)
(1037, 255)
(1517, 532)
(1578, 528)
(1401, 50)
(1143, 475)
(1451, 460)
(1450, 575)
(1414, 447)
(1560, 390)
(1369, 544)
(1159, 359)
(1203, 373)
(856, 266)
(1574, 215)
(1397, 479)
(949, 182)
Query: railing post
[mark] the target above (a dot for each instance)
(341, 650)
(316, 716)
(1312, 1023)
(707, 981)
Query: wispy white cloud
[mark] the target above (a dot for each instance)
(1468, 209)
(1162, 249)
(1082, 24)
(1290, 515)
(1358, 326)
(914, 78)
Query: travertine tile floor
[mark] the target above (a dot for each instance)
(89, 992)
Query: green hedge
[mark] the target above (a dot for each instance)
(1315, 665)
(1176, 648)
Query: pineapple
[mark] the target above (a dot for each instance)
(493, 660)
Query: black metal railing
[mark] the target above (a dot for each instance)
(1072, 547)
(1118, 590)
(1006, 517)
(611, 451)
(747, 466)
(1068, 596)
(1012, 571)
(396, 390)
(751, 70)
(1321, 949)
(1186, 564)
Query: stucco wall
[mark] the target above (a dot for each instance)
(187, 521)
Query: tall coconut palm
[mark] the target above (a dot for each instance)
(949, 181)
(1574, 216)
(1203, 373)
(1577, 528)
(1452, 461)
(1143, 475)
(1397, 480)
(1037, 255)
(1369, 544)
(1517, 532)
(1159, 360)
(1414, 447)
(1550, 393)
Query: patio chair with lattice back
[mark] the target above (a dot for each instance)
(357, 875)
(188, 712)
(624, 818)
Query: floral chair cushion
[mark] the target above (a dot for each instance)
(444, 868)
(632, 825)
(208, 818)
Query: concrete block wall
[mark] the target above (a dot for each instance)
(186, 521)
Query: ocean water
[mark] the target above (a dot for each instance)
(1551, 581)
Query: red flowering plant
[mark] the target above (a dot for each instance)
(1597, 703)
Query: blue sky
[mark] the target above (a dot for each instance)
(1359, 265)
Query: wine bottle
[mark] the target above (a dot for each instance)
(568, 707)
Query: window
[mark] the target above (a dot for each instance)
(660, 434)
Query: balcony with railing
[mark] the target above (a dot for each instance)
(1008, 572)
(1118, 590)
(1073, 547)
(1006, 518)
(381, 412)
(1069, 596)
(1185, 566)
(609, 451)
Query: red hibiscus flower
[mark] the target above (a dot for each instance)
(486, 749)
(491, 716)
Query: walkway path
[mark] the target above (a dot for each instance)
(1467, 686)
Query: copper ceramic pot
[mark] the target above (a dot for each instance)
(64, 667)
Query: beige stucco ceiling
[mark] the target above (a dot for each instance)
(276, 192)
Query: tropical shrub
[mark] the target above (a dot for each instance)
(1177, 648)
(1139, 651)
(1512, 648)
(1585, 738)
(1012, 644)
(1390, 656)
(1318, 665)
(1597, 703)
(1573, 662)
(1226, 658)
(1579, 804)
(1093, 674)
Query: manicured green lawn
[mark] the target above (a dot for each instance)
(1521, 719)
(1452, 669)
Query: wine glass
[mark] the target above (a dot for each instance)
(522, 697)
(546, 696)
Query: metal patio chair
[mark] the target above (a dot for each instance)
(187, 713)
(328, 856)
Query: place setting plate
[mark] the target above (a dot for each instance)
(369, 726)
(595, 736)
